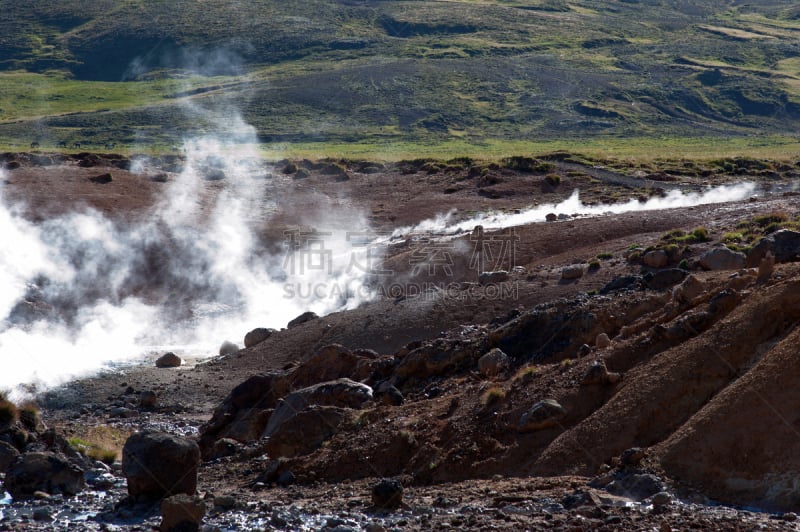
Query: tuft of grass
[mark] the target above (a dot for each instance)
(677, 236)
(553, 179)
(594, 265)
(9, 413)
(103, 443)
(493, 395)
(605, 256)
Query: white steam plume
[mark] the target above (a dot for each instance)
(572, 206)
(80, 292)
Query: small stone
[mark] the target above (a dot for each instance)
(42, 514)
(551, 217)
(493, 363)
(181, 512)
(661, 499)
(147, 399)
(169, 360)
(602, 341)
(574, 271)
(657, 258)
(789, 516)
(388, 494)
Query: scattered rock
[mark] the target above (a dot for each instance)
(551, 217)
(783, 244)
(256, 336)
(688, 290)
(660, 499)
(544, 414)
(302, 318)
(157, 464)
(182, 513)
(574, 271)
(43, 471)
(622, 282)
(304, 431)
(148, 399)
(341, 393)
(493, 363)
(722, 258)
(602, 341)
(225, 447)
(636, 486)
(228, 348)
(765, 268)
(495, 277)
(169, 360)
(632, 456)
(656, 258)
(598, 374)
(389, 395)
(387, 494)
(668, 278)
(102, 179)
(8, 455)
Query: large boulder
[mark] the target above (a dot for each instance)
(169, 360)
(574, 271)
(722, 258)
(329, 363)
(783, 244)
(244, 413)
(305, 431)
(157, 465)
(305, 317)
(668, 278)
(256, 336)
(437, 358)
(43, 471)
(341, 393)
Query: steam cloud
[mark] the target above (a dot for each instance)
(572, 206)
(80, 292)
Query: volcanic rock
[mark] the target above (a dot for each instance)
(722, 258)
(542, 415)
(493, 363)
(182, 513)
(387, 494)
(8, 455)
(668, 278)
(302, 318)
(304, 431)
(341, 393)
(602, 341)
(657, 258)
(783, 244)
(256, 336)
(574, 271)
(169, 360)
(157, 464)
(43, 471)
(495, 277)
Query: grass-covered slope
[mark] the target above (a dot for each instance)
(397, 71)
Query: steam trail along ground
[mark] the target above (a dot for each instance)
(452, 441)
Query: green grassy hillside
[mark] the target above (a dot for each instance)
(384, 73)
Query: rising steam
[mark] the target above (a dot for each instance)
(572, 206)
(81, 291)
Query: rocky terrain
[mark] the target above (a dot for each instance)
(628, 371)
